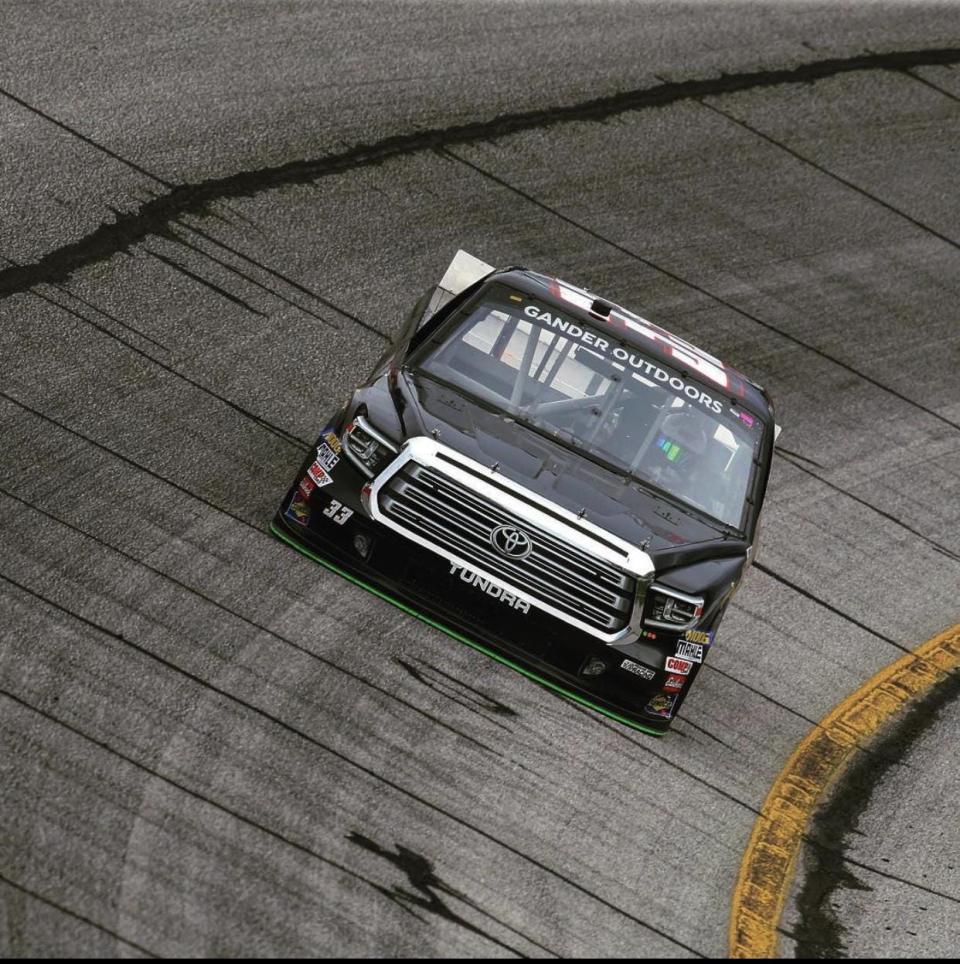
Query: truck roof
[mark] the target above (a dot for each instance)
(641, 333)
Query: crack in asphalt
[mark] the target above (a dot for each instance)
(766, 570)
(181, 787)
(133, 330)
(156, 215)
(627, 735)
(791, 459)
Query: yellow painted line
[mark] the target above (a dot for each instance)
(767, 869)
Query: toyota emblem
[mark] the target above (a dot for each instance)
(511, 542)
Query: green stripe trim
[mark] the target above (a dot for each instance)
(280, 534)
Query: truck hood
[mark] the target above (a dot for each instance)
(674, 536)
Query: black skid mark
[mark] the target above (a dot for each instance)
(158, 214)
(216, 289)
(101, 311)
(274, 429)
(429, 888)
(249, 279)
(630, 736)
(463, 694)
(699, 729)
(354, 765)
(471, 699)
(329, 664)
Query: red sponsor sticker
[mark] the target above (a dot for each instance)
(673, 683)
(307, 485)
(319, 474)
(676, 665)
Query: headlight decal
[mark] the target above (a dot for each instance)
(366, 447)
(671, 609)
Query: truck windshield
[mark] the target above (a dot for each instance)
(592, 392)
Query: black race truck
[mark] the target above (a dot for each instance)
(549, 478)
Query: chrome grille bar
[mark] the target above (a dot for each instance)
(435, 507)
(546, 546)
(575, 571)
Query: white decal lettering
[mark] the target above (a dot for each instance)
(689, 356)
(489, 587)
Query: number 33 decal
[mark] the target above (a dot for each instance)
(338, 512)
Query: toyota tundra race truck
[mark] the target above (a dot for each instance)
(549, 478)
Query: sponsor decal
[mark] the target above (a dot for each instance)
(746, 418)
(319, 475)
(338, 512)
(637, 669)
(662, 705)
(332, 441)
(691, 651)
(626, 357)
(698, 636)
(326, 456)
(299, 509)
(307, 485)
(674, 683)
(486, 585)
(681, 667)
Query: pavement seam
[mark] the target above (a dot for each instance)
(839, 178)
(76, 915)
(692, 285)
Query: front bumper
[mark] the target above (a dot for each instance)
(426, 585)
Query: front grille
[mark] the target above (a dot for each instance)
(455, 519)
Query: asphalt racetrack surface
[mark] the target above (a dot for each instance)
(212, 217)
